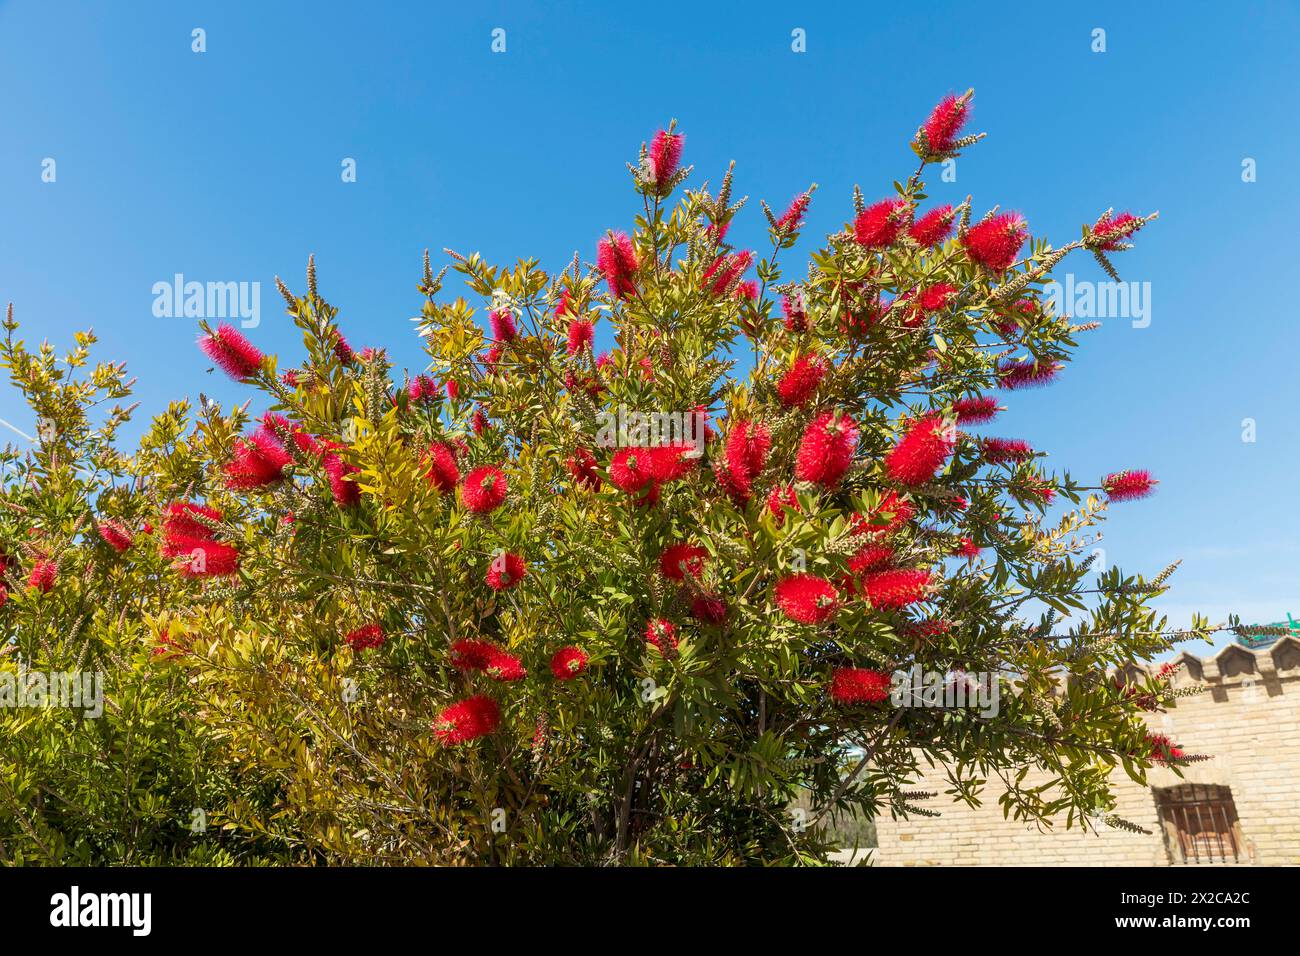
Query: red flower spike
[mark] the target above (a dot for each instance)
(443, 472)
(934, 227)
(115, 535)
(679, 560)
(581, 334)
(365, 638)
(800, 383)
(568, 663)
(890, 590)
(943, 127)
(975, 411)
(827, 449)
(663, 635)
(1017, 375)
(616, 258)
(1128, 485)
(484, 489)
(999, 451)
(996, 242)
(806, 598)
(858, 685)
(506, 571)
(467, 720)
(665, 155)
(232, 353)
(920, 454)
(257, 461)
(709, 609)
(878, 226)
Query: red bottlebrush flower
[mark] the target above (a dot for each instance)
(423, 389)
(181, 519)
(669, 462)
(568, 663)
(342, 351)
(453, 389)
(1115, 230)
(290, 378)
(736, 485)
(1128, 485)
(871, 558)
(506, 571)
(503, 326)
(563, 304)
(665, 155)
(726, 270)
(583, 467)
(484, 489)
(920, 454)
(1162, 750)
(996, 242)
(203, 558)
(780, 498)
(43, 576)
(792, 219)
(115, 535)
(878, 226)
(257, 461)
(492, 358)
(1037, 490)
(800, 383)
(679, 560)
(616, 258)
(663, 635)
(504, 666)
(467, 720)
(934, 227)
(4, 595)
(231, 352)
(900, 512)
(967, 549)
(365, 637)
(470, 654)
(896, 588)
(826, 450)
(926, 629)
(936, 297)
(746, 291)
(1017, 375)
(480, 421)
(859, 685)
(943, 127)
(709, 609)
(748, 445)
(443, 473)
(343, 488)
(581, 334)
(806, 598)
(999, 451)
(629, 469)
(975, 411)
(796, 318)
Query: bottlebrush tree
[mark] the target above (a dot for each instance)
(438, 618)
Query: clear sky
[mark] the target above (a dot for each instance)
(226, 166)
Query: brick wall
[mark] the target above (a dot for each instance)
(1247, 716)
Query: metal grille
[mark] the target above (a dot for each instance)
(1200, 823)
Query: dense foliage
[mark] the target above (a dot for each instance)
(436, 619)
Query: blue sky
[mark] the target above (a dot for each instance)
(225, 166)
